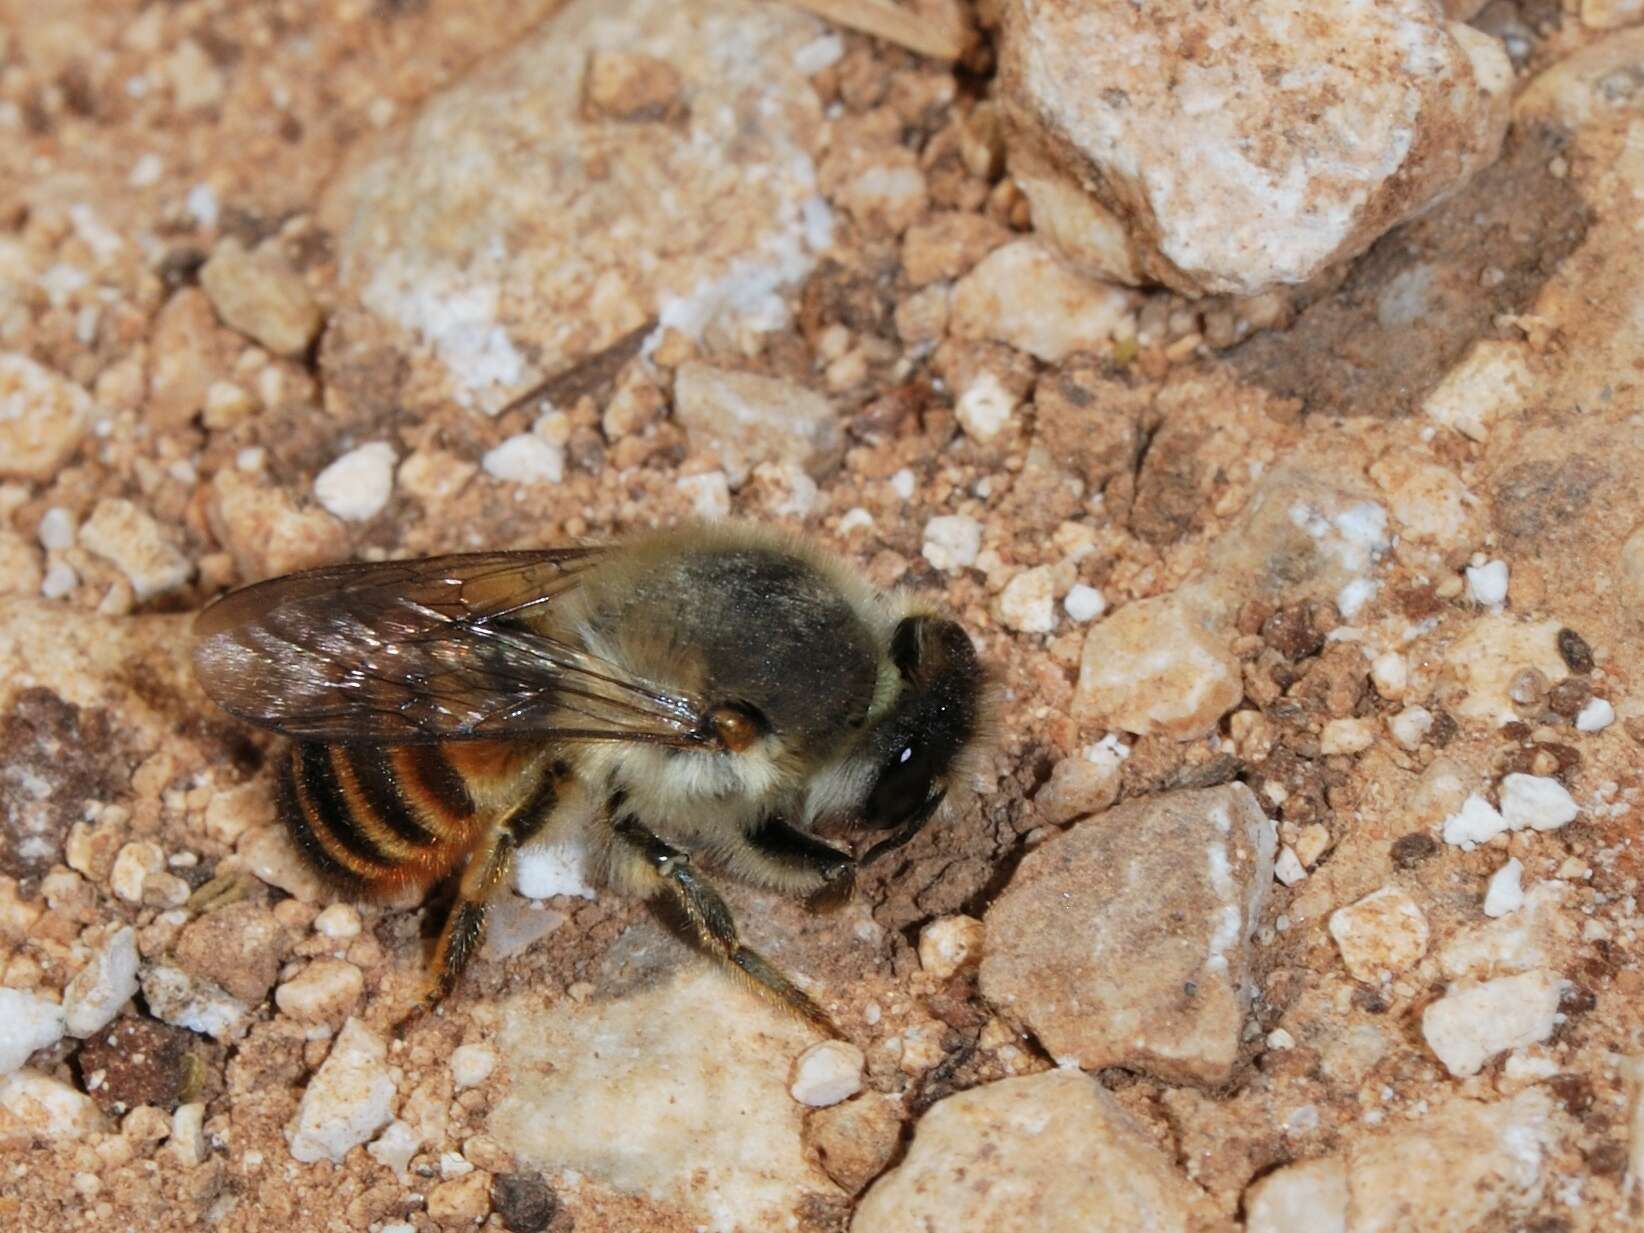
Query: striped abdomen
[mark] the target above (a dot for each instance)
(377, 817)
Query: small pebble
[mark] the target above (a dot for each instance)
(524, 1201)
(27, 1022)
(1487, 583)
(984, 410)
(952, 541)
(1536, 801)
(1347, 736)
(1386, 931)
(1476, 822)
(103, 986)
(526, 459)
(356, 487)
(1390, 674)
(1028, 602)
(340, 921)
(472, 1064)
(1596, 716)
(1084, 603)
(57, 529)
(1505, 893)
(348, 1100)
(827, 1073)
(323, 991)
(949, 944)
(1411, 726)
(1288, 867)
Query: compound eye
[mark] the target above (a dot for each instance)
(903, 786)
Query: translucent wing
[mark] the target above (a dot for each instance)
(437, 649)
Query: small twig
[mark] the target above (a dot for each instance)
(884, 19)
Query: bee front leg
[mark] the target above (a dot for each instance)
(665, 870)
(783, 858)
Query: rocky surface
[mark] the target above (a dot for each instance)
(1237, 147)
(288, 285)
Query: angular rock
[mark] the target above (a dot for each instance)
(103, 986)
(1023, 296)
(1157, 666)
(42, 419)
(200, 1005)
(34, 1106)
(854, 1141)
(1384, 932)
(239, 947)
(1472, 1023)
(28, 1022)
(1486, 658)
(1233, 147)
(348, 1100)
(1125, 941)
(749, 419)
(569, 228)
(695, 1070)
(261, 296)
(1464, 1168)
(356, 486)
(138, 1061)
(1539, 935)
(1048, 1152)
(129, 539)
(325, 990)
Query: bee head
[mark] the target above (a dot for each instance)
(934, 717)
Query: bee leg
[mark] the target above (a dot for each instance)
(464, 928)
(782, 858)
(668, 872)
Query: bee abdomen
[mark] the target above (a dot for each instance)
(373, 817)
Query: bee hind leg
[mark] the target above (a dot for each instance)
(665, 870)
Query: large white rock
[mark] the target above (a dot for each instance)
(1052, 1151)
(678, 1092)
(27, 1022)
(520, 223)
(1233, 146)
(34, 1106)
(1473, 1022)
(348, 1100)
(1126, 940)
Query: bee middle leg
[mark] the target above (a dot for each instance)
(665, 870)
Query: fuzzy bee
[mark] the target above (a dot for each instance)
(702, 694)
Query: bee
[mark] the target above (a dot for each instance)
(701, 697)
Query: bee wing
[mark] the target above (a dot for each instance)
(427, 650)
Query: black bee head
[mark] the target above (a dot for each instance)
(934, 718)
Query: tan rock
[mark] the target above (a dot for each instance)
(1157, 666)
(1236, 147)
(35, 1107)
(1060, 1153)
(1125, 940)
(325, 990)
(1384, 932)
(462, 1202)
(42, 419)
(348, 1100)
(188, 353)
(621, 85)
(749, 419)
(128, 538)
(261, 296)
(1023, 296)
(854, 1141)
(267, 532)
(948, 244)
(239, 947)
(1486, 658)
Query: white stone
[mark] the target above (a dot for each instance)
(952, 541)
(1023, 296)
(1308, 1197)
(696, 1072)
(949, 944)
(57, 529)
(1505, 892)
(35, 1107)
(710, 494)
(394, 1147)
(984, 409)
(471, 1065)
(340, 922)
(1028, 602)
(1390, 674)
(1288, 868)
(326, 989)
(356, 487)
(1540, 934)
(545, 869)
(1084, 603)
(103, 986)
(1487, 583)
(348, 1100)
(28, 1022)
(132, 867)
(1411, 726)
(1536, 801)
(60, 579)
(1386, 931)
(1347, 736)
(1472, 1023)
(1490, 655)
(130, 540)
(195, 1003)
(1596, 716)
(1241, 146)
(749, 419)
(526, 458)
(827, 1073)
(1476, 822)
(187, 1145)
(43, 418)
